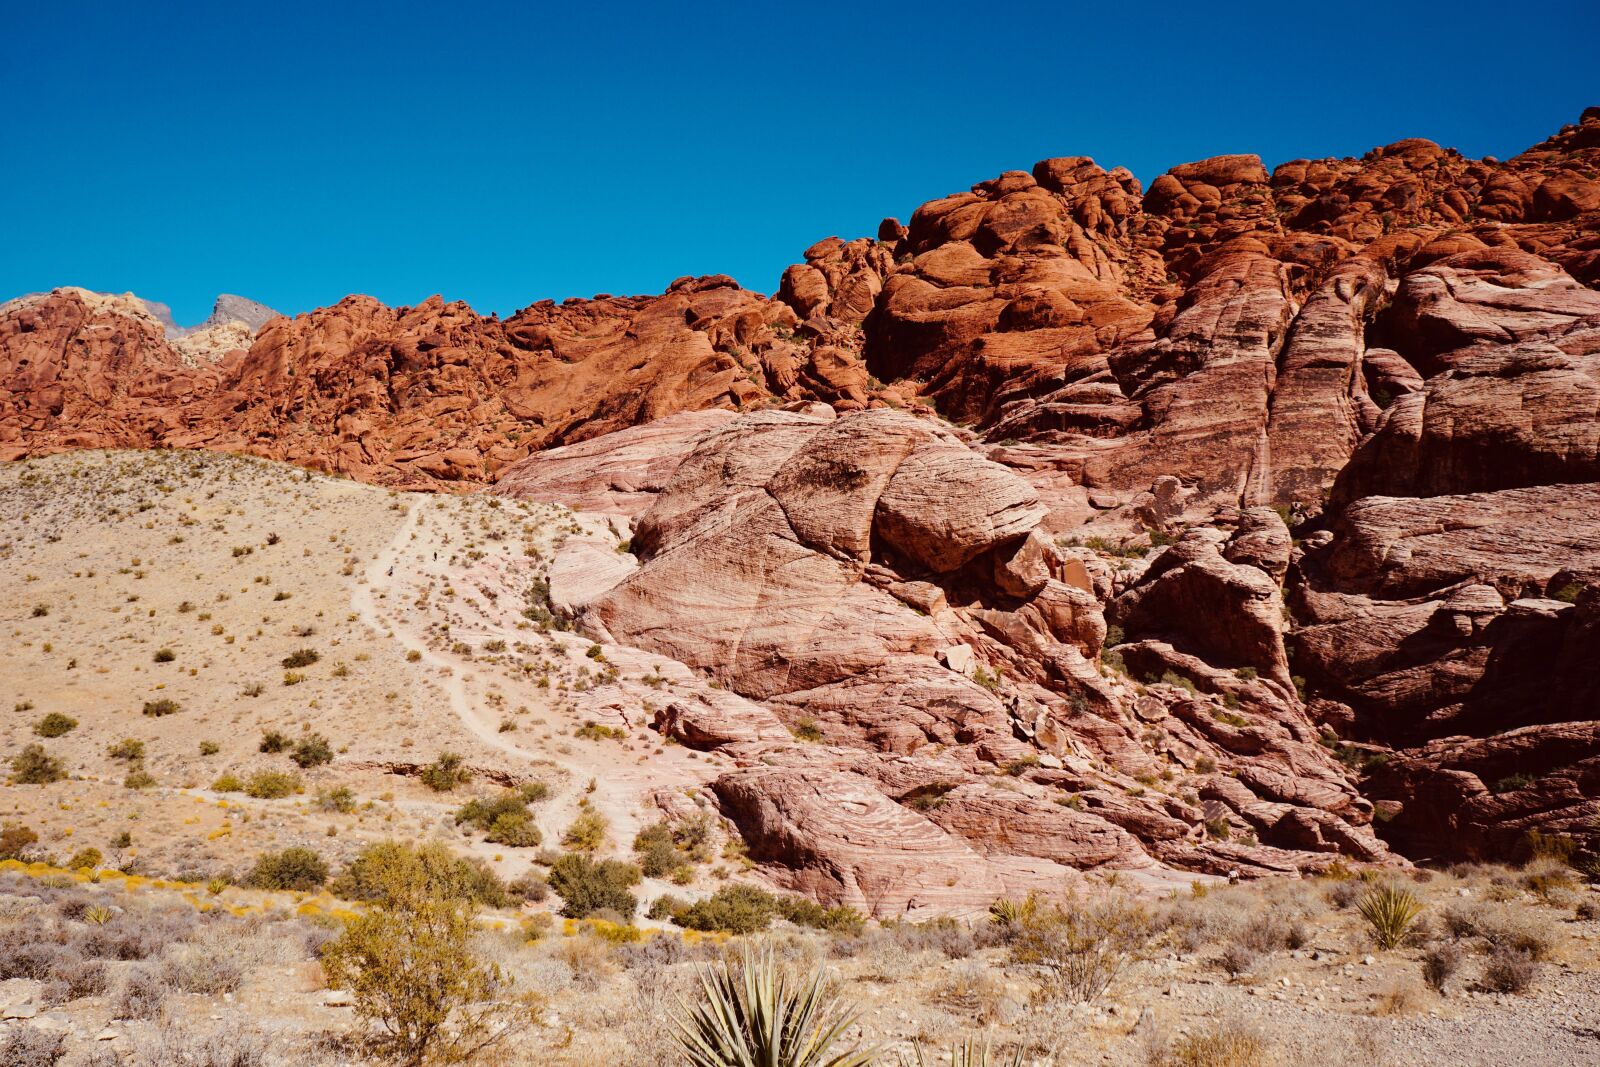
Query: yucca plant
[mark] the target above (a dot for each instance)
(1390, 911)
(969, 1054)
(1008, 912)
(750, 1014)
(97, 915)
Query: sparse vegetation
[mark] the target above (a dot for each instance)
(272, 785)
(55, 724)
(291, 869)
(34, 766)
(445, 773)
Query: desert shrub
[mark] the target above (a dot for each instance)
(657, 851)
(138, 778)
(209, 967)
(28, 1046)
(272, 785)
(291, 869)
(530, 887)
(1547, 876)
(1532, 933)
(184, 1045)
(158, 708)
(1078, 950)
(301, 657)
(1223, 1045)
(55, 724)
(85, 858)
(129, 748)
(1587, 910)
(273, 741)
(144, 993)
(16, 841)
(734, 909)
(380, 867)
(751, 1010)
(1238, 958)
(410, 965)
(33, 954)
(227, 782)
(587, 832)
(339, 799)
(73, 979)
(1440, 964)
(504, 819)
(1389, 911)
(209, 748)
(312, 750)
(586, 886)
(164, 655)
(134, 937)
(1509, 970)
(34, 766)
(445, 773)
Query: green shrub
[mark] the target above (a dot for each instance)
(587, 832)
(54, 725)
(1078, 950)
(412, 967)
(274, 741)
(298, 869)
(227, 782)
(388, 871)
(165, 706)
(586, 886)
(504, 819)
(139, 778)
(445, 773)
(272, 785)
(89, 858)
(312, 750)
(338, 799)
(34, 766)
(657, 851)
(734, 909)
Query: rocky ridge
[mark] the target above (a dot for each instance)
(1346, 415)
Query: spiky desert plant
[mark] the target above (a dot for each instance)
(750, 1014)
(969, 1054)
(1390, 911)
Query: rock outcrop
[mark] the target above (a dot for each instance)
(1396, 357)
(887, 594)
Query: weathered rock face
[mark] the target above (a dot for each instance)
(869, 577)
(419, 396)
(1400, 353)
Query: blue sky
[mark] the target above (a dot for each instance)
(502, 153)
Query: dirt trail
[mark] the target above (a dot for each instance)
(399, 567)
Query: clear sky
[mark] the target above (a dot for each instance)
(501, 153)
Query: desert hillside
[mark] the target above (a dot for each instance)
(1127, 625)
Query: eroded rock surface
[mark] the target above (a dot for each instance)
(1395, 357)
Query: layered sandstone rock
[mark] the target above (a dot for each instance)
(869, 577)
(1397, 353)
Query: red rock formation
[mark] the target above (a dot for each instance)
(1400, 352)
(875, 579)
